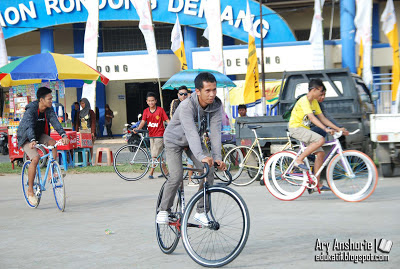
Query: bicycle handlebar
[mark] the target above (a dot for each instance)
(336, 135)
(58, 143)
(207, 170)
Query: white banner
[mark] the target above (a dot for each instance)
(317, 37)
(213, 17)
(363, 23)
(90, 47)
(143, 10)
(3, 50)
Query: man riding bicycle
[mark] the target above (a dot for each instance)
(193, 117)
(35, 128)
(305, 112)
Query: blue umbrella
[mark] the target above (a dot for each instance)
(186, 77)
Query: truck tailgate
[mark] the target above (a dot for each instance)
(385, 128)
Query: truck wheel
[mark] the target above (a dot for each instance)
(387, 169)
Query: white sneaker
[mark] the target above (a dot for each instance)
(33, 200)
(162, 217)
(202, 218)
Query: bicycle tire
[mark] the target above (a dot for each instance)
(225, 149)
(36, 185)
(168, 235)
(232, 224)
(287, 185)
(42, 151)
(58, 183)
(246, 173)
(343, 186)
(131, 160)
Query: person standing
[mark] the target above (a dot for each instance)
(242, 110)
(87, 120)
(108, 120)
(155, 117)
(75, 117)
(35, 128)
(183, 93)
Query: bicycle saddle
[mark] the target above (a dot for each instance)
(254, 126)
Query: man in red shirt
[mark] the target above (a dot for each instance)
(155, 117)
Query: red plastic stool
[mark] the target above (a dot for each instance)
(99, 156)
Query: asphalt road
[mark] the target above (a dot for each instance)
(282, 234)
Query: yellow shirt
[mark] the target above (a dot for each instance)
(299, 116)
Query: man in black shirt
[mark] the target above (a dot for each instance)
(35, 127)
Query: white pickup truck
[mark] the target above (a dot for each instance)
(385, 132)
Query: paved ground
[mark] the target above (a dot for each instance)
(283, 234)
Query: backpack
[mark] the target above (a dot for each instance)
(288, 113)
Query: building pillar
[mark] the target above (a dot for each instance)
(101, 104)
(190, 40)
(375, 33)
(347, 34)
(46, 40)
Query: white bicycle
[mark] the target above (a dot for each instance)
(351, 174)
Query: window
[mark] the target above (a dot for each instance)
(302, 88)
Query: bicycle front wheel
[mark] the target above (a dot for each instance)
(224, 238)
(244, 164)
(356, 187)
(58, 183)
(131, 162)
(288, 180)
(36, 185)
(168, 234)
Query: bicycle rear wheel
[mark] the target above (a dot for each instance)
(168, 234)
(352, 188)
(58, 183)
(220, 242)
(36, 185)
(288, 180)
(244, 164)
(131, 162)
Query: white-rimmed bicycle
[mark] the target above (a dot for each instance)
(351, 174)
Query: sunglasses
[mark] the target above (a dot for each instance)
(181, 93)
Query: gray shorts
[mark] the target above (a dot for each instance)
(156, 146)
(32, 153)
(306, 136)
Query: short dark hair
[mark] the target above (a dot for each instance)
(204, 76)
(151, 94)
(242, 106)
(315, 83)
(76, 103)
(183, 87)
(42, 92)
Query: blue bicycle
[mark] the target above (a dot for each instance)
(39, 184)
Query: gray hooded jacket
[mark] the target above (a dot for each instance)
(26, 128)
(190, 122)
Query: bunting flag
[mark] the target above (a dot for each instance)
(252, 91)
(3, 50)
(389, 27)
(360, 59)
(177, 45)
(90, 47)
(143, 10)
(213, 17)
(363, 23)
(317, 37)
